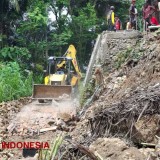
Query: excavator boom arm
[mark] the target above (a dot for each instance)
(71, 53)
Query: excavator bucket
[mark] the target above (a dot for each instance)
(41, 91)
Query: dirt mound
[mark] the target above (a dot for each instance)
(115, 149)
(129, 93)
(8, 111)
(128, 105)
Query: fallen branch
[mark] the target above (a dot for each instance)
(48, 129)
(90, 100)
(149, 144)
(121, 117)
(84, 150)
(145, 107)
(98, 155)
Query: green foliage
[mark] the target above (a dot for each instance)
(32, 33)
(13, 84)
(61, 39)
(14, 54)
(37, 16)
(87, 18)
(121, 57)
(84, 28)
(50, 154)
(139, 5)
(128, 54)
(38, 78)
(87, 92)
(39, 67)
(3, 38)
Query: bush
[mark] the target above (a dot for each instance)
(14, 54)
(13, 84)
(121, 57)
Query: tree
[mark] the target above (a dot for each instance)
(33, 29)
(76, 22)
(84, 28)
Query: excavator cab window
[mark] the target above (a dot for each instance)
(51, 66)
(62, 68)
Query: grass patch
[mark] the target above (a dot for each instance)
(13, 83)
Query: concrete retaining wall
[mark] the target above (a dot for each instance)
(107, 45)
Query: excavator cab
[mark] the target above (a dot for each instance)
(62, 77)
(59, 74)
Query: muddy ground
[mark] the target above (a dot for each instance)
(122, 121)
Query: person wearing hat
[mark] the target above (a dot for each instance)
(132, 14)
(111, 19)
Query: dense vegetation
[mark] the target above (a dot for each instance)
(13, 84)
(28, 36)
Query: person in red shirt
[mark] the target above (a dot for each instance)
(117, 23)
(153, 20)
(147, 11)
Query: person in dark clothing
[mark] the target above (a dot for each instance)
(111, 19)
(132, 14)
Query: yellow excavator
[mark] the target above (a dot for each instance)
(63, 74)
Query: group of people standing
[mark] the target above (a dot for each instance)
(148, 13)
(113, 21)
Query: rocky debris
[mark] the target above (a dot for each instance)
(63, 97)
(147, 127)
(8, 111)
(8, 154)
(25, 129)
(98, 75)
(36, 120)
(81, 130)
(57, 114)
(115, 149)
(147, 151)
(132, 154)
(129, 87)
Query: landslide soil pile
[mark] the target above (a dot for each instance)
(127, 105)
